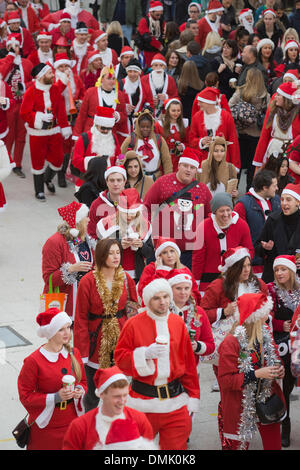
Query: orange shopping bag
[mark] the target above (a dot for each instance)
(53, 299)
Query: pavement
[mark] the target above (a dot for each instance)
(25, 225)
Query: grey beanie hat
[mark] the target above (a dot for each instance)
(219, 200)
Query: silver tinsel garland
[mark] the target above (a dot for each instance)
(248, 422)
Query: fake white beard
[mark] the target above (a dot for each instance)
(131, 87)
(102, 144)
(158, 78)
(62, 76)
(45, 56)
(212, 121)
(247, 25)
(80, 49)
(72, 8)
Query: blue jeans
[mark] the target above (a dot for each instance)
(127, 31)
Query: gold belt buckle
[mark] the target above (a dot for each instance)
(63, 405)
(159, 392)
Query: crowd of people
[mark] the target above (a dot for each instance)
(152, 111)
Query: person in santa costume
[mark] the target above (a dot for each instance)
(167, 258)
(126, 55)
(28, 15)
(112, 423)
(158, 84)
(44, 52)
(64, 29)
(6, 102)
(294, 160)
(154, 349)
(150, 30)
(16, 73)
(223, 229)
(105, 298)
(6, 165)
(194, 12)
(68, 254)
(211, 121)
(246, 19)
(174, 128)
(41, 8)
(130, 226)
(80, 47)
(50, 405)
(194, 316)
(100, 141)
(44, 113)
(210, 22)
(91, 73)
(77, 14)
(27, 44)
(281, 124)
(247, 362)
(108, 200)
(177, 203)
(108, 55)
(105, 93)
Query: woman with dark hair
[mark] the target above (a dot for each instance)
(94, 181)
(174, 64)
(291, 55)
(171, 33)
(101, 311)
(253, 39)
(265, 49)
(189, 85)
(280, 165)
(135, 174)
(225, 65)
(241, 38)
(270, 27)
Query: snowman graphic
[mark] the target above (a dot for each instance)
(183, 212)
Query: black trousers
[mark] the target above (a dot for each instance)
(248, 146)
(90, 400)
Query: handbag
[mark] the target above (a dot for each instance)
(21, 432)
(244, 114)
(273, 410)
(54, 298)
(219, 332)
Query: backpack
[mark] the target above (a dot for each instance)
(244, 115)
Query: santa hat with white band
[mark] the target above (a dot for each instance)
(73, 214)
(286, 260)
(158, 59)
(190, 157)
(287, 90)
(156, 6)
(154, 287)
(170, 101)
(105, 377)
(292, 190)
(129, 201)
(44, 35)
(252, 307)
(162, 243)
(40, 70)
(290, 44)
(214, 6)
(51, 321)
(269, 10)
(209, 95)
(62, 59)
(232, 256)
(177, 276)
(265, 42)
(293, 74)
(245, 12)
(124, 434)
(104, 117)
(115, 169)
(100, 35)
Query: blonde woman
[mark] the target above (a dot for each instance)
(254, 92)
(116, 39)
(289, 35)
(213, 46)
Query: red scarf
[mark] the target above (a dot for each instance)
(146, 150)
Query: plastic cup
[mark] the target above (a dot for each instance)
(161, 339)
(192, 334)
(69, 382)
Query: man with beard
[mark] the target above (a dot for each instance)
(64, 29)
(105, 93)
(77, 14)
(44, 113)
(246, 19)
(44, 52)
(158, 85)
(210, 22)
(149, 32)
(135, 94)
(80, 47)
(99, 141)
(28, 15)
(14, 26)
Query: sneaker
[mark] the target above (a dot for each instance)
(18, 171)
(215, 387)
(41, 197)
(50, 186)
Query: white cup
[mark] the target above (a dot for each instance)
(161, 339)
(68, 382)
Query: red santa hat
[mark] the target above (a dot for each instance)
(290, 44)
(177, 276)
(286, 260)
(51, 321)
(129, 201)
(209, 95)
(190, 157)
(124, 434)
(194, 4)
(264, 42)
(105, 377)
(252, 307)
(170, 101)
(62, 42)
(93, 55)
(156, 6)
(126, 50)
(158, 59)
(245, 12)
(14, 39)
(292, 190)
(44, 35)
(287, 90)
(2, 23)
(232, 256)
(161, 243)
(104, 117)
(115, 169)
(269, 10)
(13, 17)
(65, 17)
(73, 213)
(100, 35)
(159, 284)
(293, 74)
(214, 6)
(61, 59)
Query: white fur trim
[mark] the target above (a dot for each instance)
(193, 405)
(199, 98)
(157, 8)
(265, 42)
(158, 285)
(291, 193)
(155, 405)
(143, 366)
(38, 120)
(44, 418)
(180, 278)
(172, 100)
(286, 95)
(43, 132)
(111, 380)
(115, 169)
(82, 213)
(158, 61)
(291, 75)
(285, 262)
(258, 314)
(100, 37)
(104, 121)
(165, 245)
(94, 57)
(43, 72)
(130, 211)
(231, 260)
(57, 322)
(62, 62)
(291, 44)
(189, 161)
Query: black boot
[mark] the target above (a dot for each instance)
(48, 176)
(286, 432)
(38, 181)
(61, 178)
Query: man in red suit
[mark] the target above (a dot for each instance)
(14, 26)
(44, 52)
(150, 30)
(210, 121)
(28, 16)
(108, 55)
(81, 47)
(210, 22)
(77, 14)
(99, 426)
(154, 349)
(159, 85)
(16, 72)
(64, 29)
(44, 112)
(107, 94)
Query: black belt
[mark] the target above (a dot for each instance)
(170, 390)
(150, 173)
(63, 404)
(119, 314)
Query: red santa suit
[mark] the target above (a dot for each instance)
(29, 18)
(137, 97)
(16, 72)
(90, 313)
(169, 89)
(27, 43)
(151, 377)
(205, 25)
(80, 55)
(50, 21)
(37, 56)
(155, 41)
(294, 156)
(5, 92)
(6, 166)
(41, 10)
(69, 36)
(100, 207)
(108, 56)
(213, 241)
(174, 138)
(46, 145)
(222, 101)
